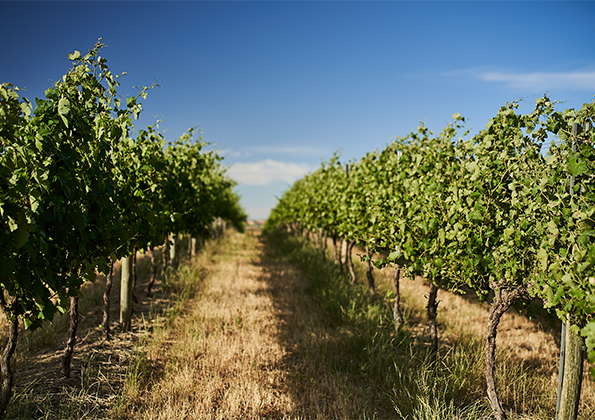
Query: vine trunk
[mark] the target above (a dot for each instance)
(503, 299)
(74, 322)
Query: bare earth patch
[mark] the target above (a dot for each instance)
(237, 335)
(99, 367)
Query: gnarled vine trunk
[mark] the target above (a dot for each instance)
(350, 260)
(335, 247)
(109, 281)
(74, 323)
(369, 275)
(398, 315)
(5, 370)
(432, 312)
(503, 299)
(153, 271)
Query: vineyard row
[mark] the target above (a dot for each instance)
(490, 215)
(78, 193)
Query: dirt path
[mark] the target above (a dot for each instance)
(221, 357)
(236, 352)
(99, 367)
(257, 342)
(251, 336)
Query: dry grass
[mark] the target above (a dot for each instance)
(276, 332)
(528, 350)
(266, 328)
(236, 351)
(220, 357)
(99, 367)
(528, 355)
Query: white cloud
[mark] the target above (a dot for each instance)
(267, 172)
(288, 150)
(233, 153)
(542, 81)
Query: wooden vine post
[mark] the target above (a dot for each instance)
(165, 259)
(571, 368)
(126, 294)
(172, 249)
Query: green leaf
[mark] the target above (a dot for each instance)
(441, 236)
(74, 56)
(585, 266)
(542, 258)
(553, 229)
(576, 167)
(22, 236)
(63, 106)
(12, 224)
(64, 109)
(38, 143)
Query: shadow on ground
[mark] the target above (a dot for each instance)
(344, 358)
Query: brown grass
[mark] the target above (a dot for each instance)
(234, 352)
(253, 344)
(99, 367)
(220, 357)
(238, 334)
(528, 350)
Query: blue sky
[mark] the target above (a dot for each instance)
(281, 86)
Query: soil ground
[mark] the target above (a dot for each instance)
(99, 367)
(243, 345)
